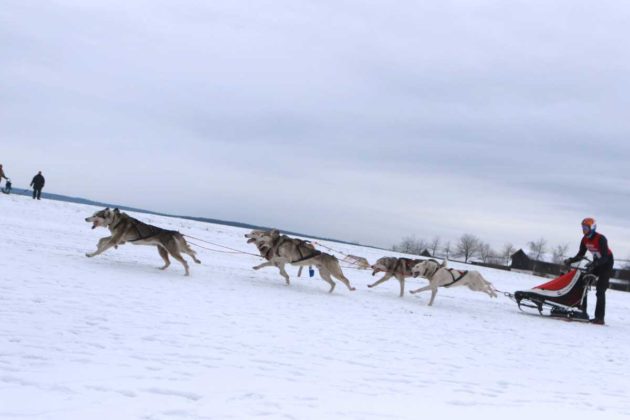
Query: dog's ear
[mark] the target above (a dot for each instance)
(116, 210)
(444, 263)
(106, 208)
(274, 232)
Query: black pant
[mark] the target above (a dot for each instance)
(603, 273)
(37, 192)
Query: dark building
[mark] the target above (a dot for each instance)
(491, 265)
(520, 261)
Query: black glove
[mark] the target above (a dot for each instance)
(568, 261)
(590, 267)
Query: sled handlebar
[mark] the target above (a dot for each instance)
(580, 260)
(576, 264)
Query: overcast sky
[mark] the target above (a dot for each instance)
(355, 119)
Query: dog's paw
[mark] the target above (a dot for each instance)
(87, 254)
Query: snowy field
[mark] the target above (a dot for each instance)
(112, 337)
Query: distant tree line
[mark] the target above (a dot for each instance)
(469, 247)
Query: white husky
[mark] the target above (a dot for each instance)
(440, 276)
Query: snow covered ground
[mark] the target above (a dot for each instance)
(112, 337)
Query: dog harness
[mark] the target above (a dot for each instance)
(268, 254)
(399, 261)
(149, 231)
(314, 254)
(406, 265)
(455, 279)
(437, 267)
(283, 239)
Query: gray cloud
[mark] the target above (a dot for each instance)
(351, 119)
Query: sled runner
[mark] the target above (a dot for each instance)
(563, 297)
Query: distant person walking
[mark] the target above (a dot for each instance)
(38, 183)
(2, 174)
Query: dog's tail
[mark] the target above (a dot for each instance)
(331, 263)
(185, 248)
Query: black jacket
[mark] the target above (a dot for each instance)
(38, 181)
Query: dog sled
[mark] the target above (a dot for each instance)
(563, 297)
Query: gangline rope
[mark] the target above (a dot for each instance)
(231, 250)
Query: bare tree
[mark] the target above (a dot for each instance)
(467, 246)
(447, 250)
(559, 253)
(538, 248)
(485, 252)
(506, 253)
(410, 245)
(434, 245)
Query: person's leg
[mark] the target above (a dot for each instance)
(39, 193)
(34, 193)
(602, 285)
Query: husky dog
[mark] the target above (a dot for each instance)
(280, 250)
(265, 249)
(393, 267)
(440, 276)
(125, 228)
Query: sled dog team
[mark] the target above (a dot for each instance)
(279, 250)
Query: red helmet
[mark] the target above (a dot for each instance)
(588, 226)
